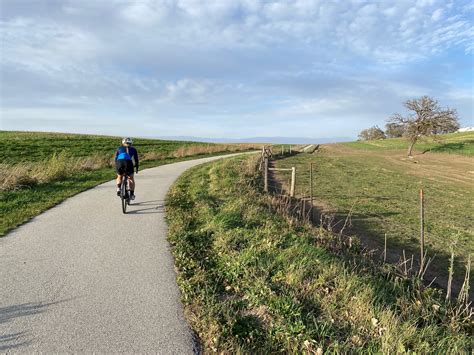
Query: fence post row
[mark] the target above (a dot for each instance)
(265, 178)
(266, 154)
(422, 230)
(311, 186)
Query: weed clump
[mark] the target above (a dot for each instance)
(15, 177)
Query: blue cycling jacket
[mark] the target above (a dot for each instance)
(127, 153)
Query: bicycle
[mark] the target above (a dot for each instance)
(124, 193)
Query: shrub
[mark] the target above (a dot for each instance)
(372, 133)
(394, 130)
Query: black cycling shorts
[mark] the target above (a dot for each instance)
(124, 167)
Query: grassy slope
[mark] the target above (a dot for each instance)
(376, 178)
(457, 143)
(19, 205)
(253, 281)
(35, 146)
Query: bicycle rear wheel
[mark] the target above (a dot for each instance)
(123, 194)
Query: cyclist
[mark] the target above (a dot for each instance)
(124, 164)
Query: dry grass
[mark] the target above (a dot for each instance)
(63, 165)
(16, 176)
(186, 151)
(95, 162)
(58, 167)
(153, 155)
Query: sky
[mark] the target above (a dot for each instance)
(231, 69)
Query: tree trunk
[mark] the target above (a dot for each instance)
(412, 144)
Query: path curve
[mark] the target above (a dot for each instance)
(83, 277)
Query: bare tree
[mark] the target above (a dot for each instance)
(426, 118)
(371, 134)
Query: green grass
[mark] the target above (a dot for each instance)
(457, 143)
(35, 146)
(59, 153)
(382, 187)
(255, 281)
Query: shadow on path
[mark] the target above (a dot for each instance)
(10, 313)
(153, 206)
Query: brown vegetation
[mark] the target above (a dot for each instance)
(186, 151)
(62, 165)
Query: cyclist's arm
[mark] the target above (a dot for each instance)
(116, 154)
(135, 157)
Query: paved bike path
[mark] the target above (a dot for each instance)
(83, 277)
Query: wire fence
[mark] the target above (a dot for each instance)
(296, 195)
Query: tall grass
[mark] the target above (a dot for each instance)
(254, 280)
(58, 167)
(14, 177)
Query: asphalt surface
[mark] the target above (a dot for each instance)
(83, 277)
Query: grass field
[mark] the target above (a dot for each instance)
(256, 281)
(39, 170)
(381, 186)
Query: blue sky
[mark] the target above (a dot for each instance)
(229, 68)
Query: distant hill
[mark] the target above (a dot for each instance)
(274, 140)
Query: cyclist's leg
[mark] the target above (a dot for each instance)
(119, 167)
(119, 183)
(131, 180)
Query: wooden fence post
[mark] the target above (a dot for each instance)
(303, 205)
(422, 231)
(290, 149)
(311, 187)
(293, 181)
(265, 174)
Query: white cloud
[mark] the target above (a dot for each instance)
(45, 46)
(187, 91)
(189, 59)
(437, 14)
(144, 12)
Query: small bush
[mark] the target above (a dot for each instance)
(372, 133)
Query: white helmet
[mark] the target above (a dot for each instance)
(127, 140)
